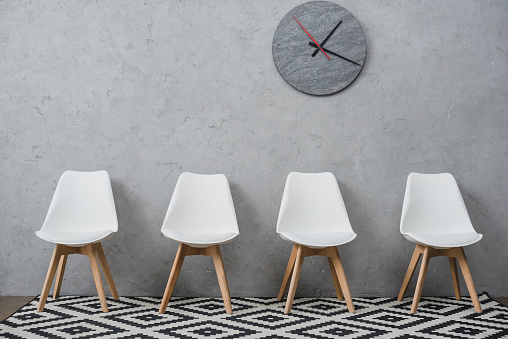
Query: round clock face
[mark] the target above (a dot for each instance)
(319, 47)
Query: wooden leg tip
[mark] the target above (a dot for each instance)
(40, 307)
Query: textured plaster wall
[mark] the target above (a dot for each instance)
(147, 90)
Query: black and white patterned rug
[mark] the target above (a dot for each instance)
(323, 318)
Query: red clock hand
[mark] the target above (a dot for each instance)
(310, 36)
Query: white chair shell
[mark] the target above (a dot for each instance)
(434, 213)
(313, 212)
(201, 212)
(82, 210)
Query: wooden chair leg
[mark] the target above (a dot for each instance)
(173, 276)
(421, 279)
(53, 265)
(410, 271)
(105, 268)
(335, 280)
(455, 277)
(59, 275)
(289, 270)
(339, 269)
(464, 267)
(221, 276)
(294, 279)
(92, 255)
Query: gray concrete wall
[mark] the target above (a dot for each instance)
(150, 89)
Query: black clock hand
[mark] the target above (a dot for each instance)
(330, 52)
(326, 39)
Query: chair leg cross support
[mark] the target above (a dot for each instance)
(295, 266)
(453, 254)
(185, 250)
(59, 260)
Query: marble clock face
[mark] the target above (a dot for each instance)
(319, 47)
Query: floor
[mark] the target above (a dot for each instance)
(9, 305)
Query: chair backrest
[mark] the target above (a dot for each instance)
(201, 203)
(312, 202)
(82, 201)
(433, 204)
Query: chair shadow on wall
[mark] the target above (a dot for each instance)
(242, 252)
(136, 232)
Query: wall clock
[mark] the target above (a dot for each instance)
(319, 47)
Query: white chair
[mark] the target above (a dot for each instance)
(81, 215)
(434, 217)
(201, 216)
(314, 218)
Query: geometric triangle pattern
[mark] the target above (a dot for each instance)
(263, 318)
(323, 306)
(271, 319)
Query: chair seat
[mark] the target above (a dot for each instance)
(444, 240)
(74, 238)
(200, 239)
(318, 240)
